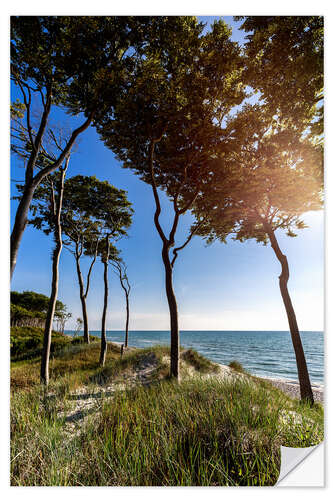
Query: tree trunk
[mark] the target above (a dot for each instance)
(83, 301)
(127, 320)
(302, 369)
(174, 331)
(44, 370)
(21, 219)
(103, 333)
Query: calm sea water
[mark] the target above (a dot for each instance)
(264, 353)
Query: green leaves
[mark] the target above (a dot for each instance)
(285, 63)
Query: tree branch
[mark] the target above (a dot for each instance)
(190, 236)
(47, 170)
(155, 192)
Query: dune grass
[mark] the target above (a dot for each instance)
(199, 432)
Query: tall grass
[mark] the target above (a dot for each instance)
(199, 432)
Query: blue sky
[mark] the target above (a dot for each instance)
(220, 287)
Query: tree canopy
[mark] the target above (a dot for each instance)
(285, 62)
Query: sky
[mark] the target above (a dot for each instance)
(218, 287)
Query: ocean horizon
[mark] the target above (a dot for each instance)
(266, 353)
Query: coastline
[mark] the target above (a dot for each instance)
(291, 388)
(288, 386)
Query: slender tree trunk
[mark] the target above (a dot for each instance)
(103, 332)
(21, 219)
(44, 370)
(174, 331)
(302, 369)
(83, 301)
(127, 319)
(32, 182)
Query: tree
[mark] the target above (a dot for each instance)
(107, 252)
(92, 209)
(46, 207)
(78, 326)
(64, 61)
(285, 62)
(29, 308)
(121, 270)
(61, 318)
(166, 124)
(267, 181)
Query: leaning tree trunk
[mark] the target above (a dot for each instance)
(302, 369)
(44, 370)
(103, 332)
(105, 306)
(83, 302)
(174, 330)
(21, 220)
(127, 319)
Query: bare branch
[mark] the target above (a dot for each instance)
(190, 236)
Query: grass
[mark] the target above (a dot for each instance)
(235, 365)
(200, 432)
(200, 363)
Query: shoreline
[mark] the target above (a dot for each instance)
(288, 386)
(291, 388)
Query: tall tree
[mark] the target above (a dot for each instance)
(121, 270)
(285, 62)
(92, 209)
(108, 253)
(46, 207)
(264, 184)
(64, 61)
(166, 128)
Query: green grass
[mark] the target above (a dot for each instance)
(235, 365)
(200, 363)
(199, 432)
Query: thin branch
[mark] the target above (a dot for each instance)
(47, 170)
(190, 236)
(90, 269)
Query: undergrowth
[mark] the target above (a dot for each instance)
(207, 432)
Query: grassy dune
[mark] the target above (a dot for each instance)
(144, 429)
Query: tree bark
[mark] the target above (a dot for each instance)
(21, 220)
(31, 182)
(174, 330)
(83, 300)
(127, 319)
(103, 332)
(302, 369)
(105, 306)
(44, 371)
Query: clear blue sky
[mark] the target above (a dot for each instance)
(220, 287)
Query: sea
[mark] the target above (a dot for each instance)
(263, 353)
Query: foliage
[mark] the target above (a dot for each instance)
(26, 342)
(34, 302)
(268, 176)
(285, 59)
(175, 95)
(92, 209)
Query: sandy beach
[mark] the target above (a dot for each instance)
(291, 388)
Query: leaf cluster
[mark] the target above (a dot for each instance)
(285, 58)
(181, 87)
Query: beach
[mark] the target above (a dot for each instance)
(291, 388)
